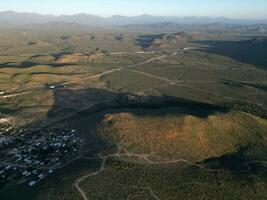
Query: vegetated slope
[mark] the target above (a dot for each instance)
(121, 180)
(163, 41)
(52, 40)
(176, 39)
(166, 157)
(74, 58)
(251, 51)
(185, 136)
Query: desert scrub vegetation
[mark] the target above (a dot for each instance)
(184, 136)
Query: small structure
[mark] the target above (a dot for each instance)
(4, 120)
(32, 183)
(52, 87)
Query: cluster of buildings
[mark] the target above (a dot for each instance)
(28, 155)
(5, 128)
(131, 98)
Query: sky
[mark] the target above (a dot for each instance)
(248, 9)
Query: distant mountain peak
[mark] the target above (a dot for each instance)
(146, 15)
(15, 18)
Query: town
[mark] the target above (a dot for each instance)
(29, 155)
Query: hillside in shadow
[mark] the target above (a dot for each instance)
(29, 64)
(248, 51)
(84, 109)
(90, 101)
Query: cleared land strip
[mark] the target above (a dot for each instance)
(153, 193)
(175, 82)
(152, 76)
(115, 70)
(170, 81)
(226, 97)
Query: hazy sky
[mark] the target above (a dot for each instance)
(228, 8)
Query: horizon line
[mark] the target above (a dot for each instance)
(138, 15)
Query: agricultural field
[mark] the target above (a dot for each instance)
(120, 114)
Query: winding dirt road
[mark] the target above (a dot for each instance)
(146, 158)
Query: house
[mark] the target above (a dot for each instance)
(32, 183)
(3, 120)
(52, 87)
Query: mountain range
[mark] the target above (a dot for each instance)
(11, 18)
